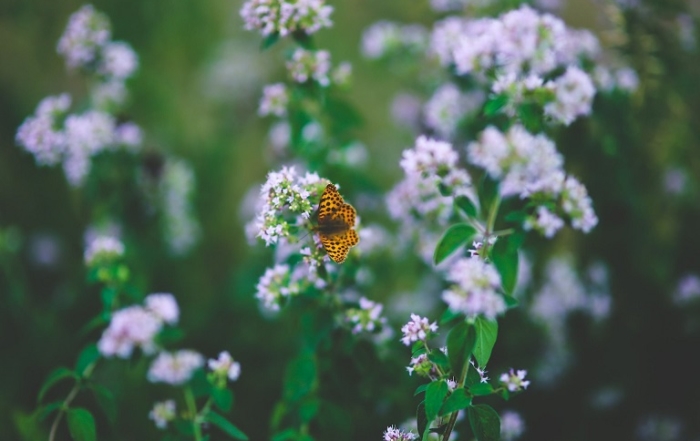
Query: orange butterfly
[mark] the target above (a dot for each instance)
(336, 220)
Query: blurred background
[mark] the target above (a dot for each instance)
(618, 365)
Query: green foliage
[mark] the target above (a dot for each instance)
(225, 425)
(458, 400)
(105, 398)
(455, 237)
(81, 425)
(486, 333)
(485, 422)
(505, 258)
(460, 345)
(435, 395)
(54, 377)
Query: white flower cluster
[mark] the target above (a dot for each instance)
(475, 288)
(177, 188)
(512, 425)
(86, 44)
(163, 412)
(366, 318)
(521, 41)
(449, 106)
(386, 38)
(394, 434)
(103, 249)
(688, 290)
(275, 287)
(515, 380)
(137, 326)
(528, 165)
(429, 165)
(308, 65)
(53, 135)
(573, 92)
(285, 201)
(286, 16)
(274, 100)
(175, 368)
(608, 79)
(418, 328)
(225, 366)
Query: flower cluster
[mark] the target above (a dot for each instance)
(274, 100)
(475, 288)
(515, 380)
(688, 289)
(529, 165)
(573, 92)
(137, 326)
(177, 188)
(448, 107)
(430, 165)
(283, 17)
(386, 38)
(175, 368)
(86, 44)
(285, 202)
(394, 434)
(53, 135)
(103, 249)
(163, 412)
(306, 65)
(225, 366)
(366, 318)
(275, 286)
(418, 328)
(512, 425)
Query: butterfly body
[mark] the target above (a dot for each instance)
(336, 220)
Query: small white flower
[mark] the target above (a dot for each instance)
(394, 434)
(418, 328)
(86, 32)
(274, 100)
(226, 365)
(119, 61)
(515, 380)
(163, 412)
(512, 425)
(129, 328)
(174, 368)
(475, 288)
(164, 306)
(103, 248)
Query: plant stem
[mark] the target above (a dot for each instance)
(453, 416)
(64, 407)
(192, 407)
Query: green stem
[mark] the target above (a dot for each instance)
(192, 408)
(64, 407)
(492, 214)
(453, 416)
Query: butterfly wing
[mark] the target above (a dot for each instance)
(329, 207)
(336, 249)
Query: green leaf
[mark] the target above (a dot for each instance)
(81, 425)
(458, 400)
(511, 302)
(455, 236)
(300, 377)
(460, 344)
(505, 257)
(42, 412)
(495, 104)
(225, 425)
(87, 357)
(421, 419)
(420, 389)
(223, 399)
(54, 377)
(105, 398)
(473, 378)
(486, 333)
(269, 41)
(440, 358)
(286, 434)
(466, 205)
(435, 394)
(481, 389)
(448, 316)
(489, 192)
(309, 409)
(96, 322)
(485, 422)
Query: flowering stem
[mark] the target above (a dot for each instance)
(453, 417)
(192, 408)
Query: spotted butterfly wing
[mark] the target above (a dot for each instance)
(336, 220)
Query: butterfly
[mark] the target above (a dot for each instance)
(336, 220)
